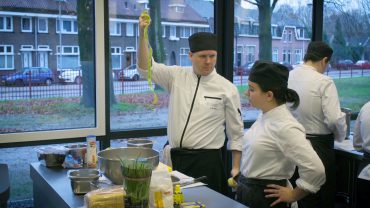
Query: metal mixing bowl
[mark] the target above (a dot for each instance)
(110, 165)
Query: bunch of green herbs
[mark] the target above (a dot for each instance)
(137, 174)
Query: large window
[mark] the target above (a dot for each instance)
(132, 106)
(61, 101)
(274, 39)
(346, 29)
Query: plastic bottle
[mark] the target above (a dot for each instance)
(91, 155)
(178, 196)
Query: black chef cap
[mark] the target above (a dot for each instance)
(318, 50)
(269, 75)
(202, 41)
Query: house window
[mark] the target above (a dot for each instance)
(275, 55)
(129, 29)
(163, 31)
(6, 57)
(173, 33)
(239, 52)
(184, 57)
(298, 55)
(68, 57)
(6, 24)
(179, 9)
(250, 51)
(116, 57)
(287, 55)
(290, 36)
(241, 29)
(26, 24)
(186, 32)
(42, 25)
(68, 26)
(274, 31)
(285, 36)
(115, 28)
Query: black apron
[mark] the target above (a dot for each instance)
(201, 162)
(325, 197)
(363, 186)
(250, 192)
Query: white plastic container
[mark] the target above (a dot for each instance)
(161, 188)
(91, 151)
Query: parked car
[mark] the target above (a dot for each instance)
(129, 73)
(344, 64)
(244, 69)
(288, 65)
(29, 75)
(362, 64)
(73, 75)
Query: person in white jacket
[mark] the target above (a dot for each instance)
(203, 106)
(275, 144)
(320, 114)
(361, 142)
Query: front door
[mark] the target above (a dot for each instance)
(27, 59)
(43, 59)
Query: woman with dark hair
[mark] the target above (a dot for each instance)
(275, 144)
(321, 116)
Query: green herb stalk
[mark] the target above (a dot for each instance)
(136, 174)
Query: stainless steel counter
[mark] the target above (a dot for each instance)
(52, 188)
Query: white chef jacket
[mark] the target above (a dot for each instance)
(216, 107)
(319, 109)
(272, 147)
(361, 132)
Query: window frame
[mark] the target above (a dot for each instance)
(30, 24)
(73, 21)
(5, 20)
(6, 55)
(25, 138)
(46, 25)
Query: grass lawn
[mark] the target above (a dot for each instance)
(353, 92)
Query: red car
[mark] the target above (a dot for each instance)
(362, 64)
(344, 64)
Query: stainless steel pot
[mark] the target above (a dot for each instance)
(81, 179)
(110, 165)
(140, 143)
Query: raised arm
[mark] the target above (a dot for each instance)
(143, 52)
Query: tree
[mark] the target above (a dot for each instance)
(265, 10)
(155, 28)
(85, 22)
(339, 43)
